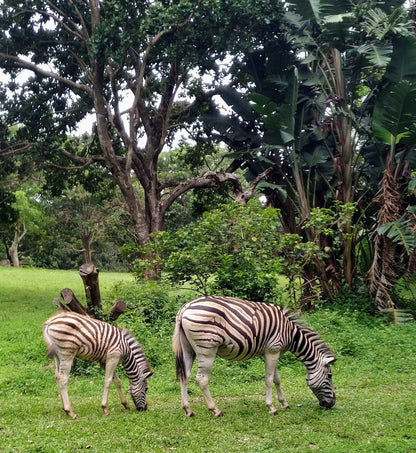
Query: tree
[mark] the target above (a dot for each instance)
(317, 106)
(138, 67)
(334, 155)
(30, 218)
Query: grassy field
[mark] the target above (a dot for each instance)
(374, 378)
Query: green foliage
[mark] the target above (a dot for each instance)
(8, 213)
(400, 232)
(230, 251)
(147, 302)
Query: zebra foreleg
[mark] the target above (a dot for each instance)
(63, 368)
(280, 395)
(117, 383)
(270, 360)
(205, 364)
(110, 366)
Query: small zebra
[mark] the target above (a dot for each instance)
(236, 329)
(69, 335)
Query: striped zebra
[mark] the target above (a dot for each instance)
(236, 329)
(69, 335)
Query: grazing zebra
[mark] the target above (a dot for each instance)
(236, 329)
(69, 335)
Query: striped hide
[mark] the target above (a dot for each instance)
(69, 335)
(236, 329)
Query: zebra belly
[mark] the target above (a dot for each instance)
(231, 350)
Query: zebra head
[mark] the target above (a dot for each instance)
(319, 380)
(138, 389)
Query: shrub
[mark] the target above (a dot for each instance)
(232, 251)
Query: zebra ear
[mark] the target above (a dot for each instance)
(329, 360)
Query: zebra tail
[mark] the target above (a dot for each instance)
(51, 350)
(178, 336)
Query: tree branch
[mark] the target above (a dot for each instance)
(14, 150)
(206, 181)
(42, 72)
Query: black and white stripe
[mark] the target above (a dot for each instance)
(69, 335)
(236, 329)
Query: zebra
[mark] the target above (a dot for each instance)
(69, 335)
(237, 329)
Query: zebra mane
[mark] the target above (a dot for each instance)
(308, 332)
(136, 349)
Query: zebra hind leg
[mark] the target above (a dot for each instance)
(186, 367)
(205, 364)
(63, 368)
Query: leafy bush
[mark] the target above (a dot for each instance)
(232, 251)
(148, 301)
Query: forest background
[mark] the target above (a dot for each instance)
(198, 107)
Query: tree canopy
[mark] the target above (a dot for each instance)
(317, 99)
(139, 68)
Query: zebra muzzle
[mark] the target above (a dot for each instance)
(327, 403)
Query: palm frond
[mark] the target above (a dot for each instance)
(378, 23)
(394, 113)
(378, 55)
(400, 233)
(397, 316)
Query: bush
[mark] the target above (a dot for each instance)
(231, 251)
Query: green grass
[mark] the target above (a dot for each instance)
(374, 378)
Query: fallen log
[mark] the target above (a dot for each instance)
(117, 309)
(72, 302)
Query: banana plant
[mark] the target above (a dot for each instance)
(394, 126)
(319, 114)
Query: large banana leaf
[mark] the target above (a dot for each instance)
(394, 114)
(321, 11)
(403, 61)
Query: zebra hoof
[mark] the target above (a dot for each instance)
(189, 413)
(218, 413)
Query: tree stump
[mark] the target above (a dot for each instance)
(89, 275)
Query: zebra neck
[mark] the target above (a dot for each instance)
(303, 346)
(135, 363)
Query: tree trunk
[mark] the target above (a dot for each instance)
(117, 309)
(19, 234)
(71, 303)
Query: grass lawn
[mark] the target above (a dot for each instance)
(374, 379)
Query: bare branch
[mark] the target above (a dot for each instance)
(14, 150)
(206, 181)
(42, 72)
(138, 104)
(82, 162)
(247, 194)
